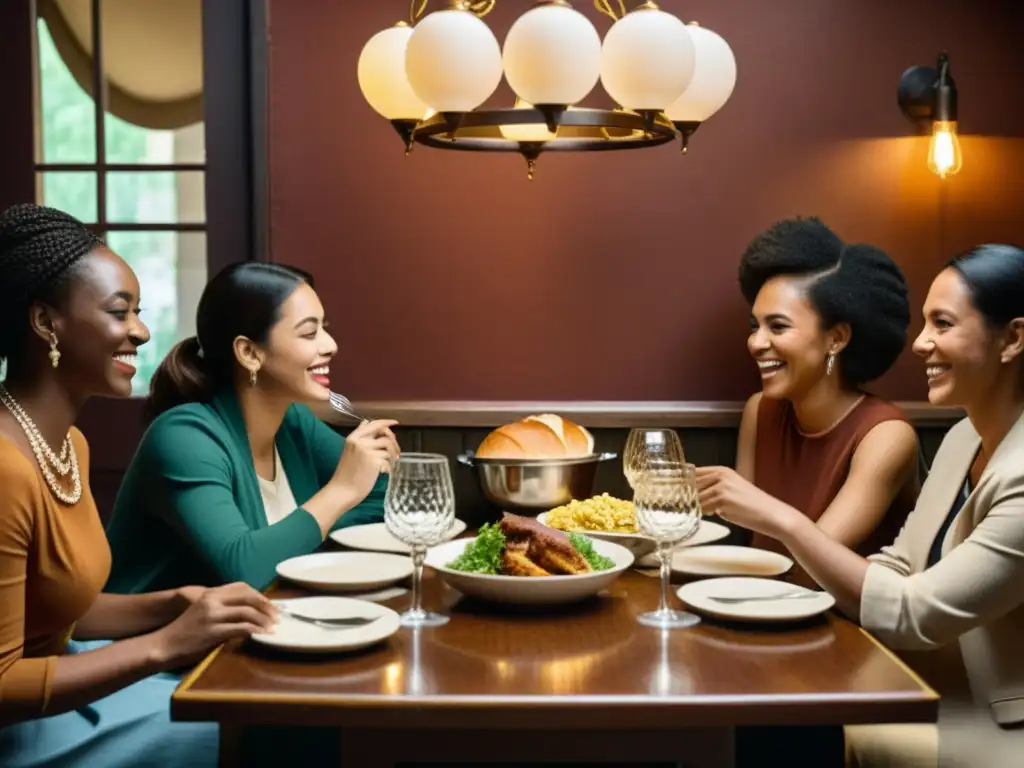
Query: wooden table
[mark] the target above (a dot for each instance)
(590, 671)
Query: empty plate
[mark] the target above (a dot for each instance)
(376, 537)
(751, 599)
(707, 532)
(293, 634)
(728, 560)
(345, 571)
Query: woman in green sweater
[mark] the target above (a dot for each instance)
(235, 474)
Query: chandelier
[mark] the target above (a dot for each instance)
(431, 75)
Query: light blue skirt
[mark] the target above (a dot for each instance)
(130, 728)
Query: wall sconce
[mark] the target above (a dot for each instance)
(927, 97)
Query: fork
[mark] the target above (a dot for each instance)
(791, 595)
(348, 622)
(342, 404)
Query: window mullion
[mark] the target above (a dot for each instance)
(99, 94)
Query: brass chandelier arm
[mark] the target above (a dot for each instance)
(605, 7)
(613, 9)
(479, 8)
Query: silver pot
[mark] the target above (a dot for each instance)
(535, 485)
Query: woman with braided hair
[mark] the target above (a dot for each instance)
(69, 330)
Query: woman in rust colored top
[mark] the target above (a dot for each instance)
(69, 329)
(826, 319)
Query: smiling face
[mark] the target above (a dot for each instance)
(98, 328)
(297, 355)
(964, 355)
(787, 340)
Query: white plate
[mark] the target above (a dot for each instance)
(528, 590)
(295, 635)
(643, 546)
(345, 571)
(376, 537)
(698, 596)
(728, 560)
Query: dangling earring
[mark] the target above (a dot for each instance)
(252, 378)
(830, 363)
(54, 352)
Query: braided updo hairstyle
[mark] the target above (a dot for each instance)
(855, 284)
(39, 250)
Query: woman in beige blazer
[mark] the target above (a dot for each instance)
(954, 578)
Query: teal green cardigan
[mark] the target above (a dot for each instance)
(190, 512)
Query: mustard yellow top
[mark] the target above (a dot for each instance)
(54, 561)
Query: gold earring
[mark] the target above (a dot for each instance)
(830, 363)
(54, 352)
(252, 378)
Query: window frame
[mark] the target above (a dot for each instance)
(235, 77)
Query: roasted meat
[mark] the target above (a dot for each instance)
(548, 550)
(515, 562)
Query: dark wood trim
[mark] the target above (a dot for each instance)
(17, 128)
(228, 119)
(111, 226)
(259, 75)
(119, 167)
(597, 414)
(99, 94)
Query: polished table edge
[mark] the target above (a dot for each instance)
(549, 711)
(599, 414)
(887, 651)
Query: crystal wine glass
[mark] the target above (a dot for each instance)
(647, 448)
(419, 508)
(668, 510)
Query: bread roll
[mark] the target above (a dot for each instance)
(546, 436)
(577, 440)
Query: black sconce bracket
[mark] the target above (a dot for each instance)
(927, 94)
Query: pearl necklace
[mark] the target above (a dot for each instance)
(65, 464)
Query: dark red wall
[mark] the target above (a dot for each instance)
(448, 275)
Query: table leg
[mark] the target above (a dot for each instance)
(230, 742)
(685, 748)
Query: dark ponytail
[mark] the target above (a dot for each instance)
(243, 299)
(181, 378)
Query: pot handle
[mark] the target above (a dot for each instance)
(465, 458)
(607, 456)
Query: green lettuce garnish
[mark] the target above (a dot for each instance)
(484, 554)
(586, 548)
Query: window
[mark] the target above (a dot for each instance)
(132, 162)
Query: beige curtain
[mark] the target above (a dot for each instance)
(152, 56)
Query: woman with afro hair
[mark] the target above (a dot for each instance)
(826, 319)
(69, 330)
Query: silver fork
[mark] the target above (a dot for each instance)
(791, 595)
(342, 404)
(348, 622)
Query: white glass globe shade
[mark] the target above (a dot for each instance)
(714, 78)
(647, 60)
(526, 131)
(552, 55)
(453, 61)
(381, 72)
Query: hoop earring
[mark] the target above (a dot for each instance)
(54, 352)
(252, 378)
(830, 363)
